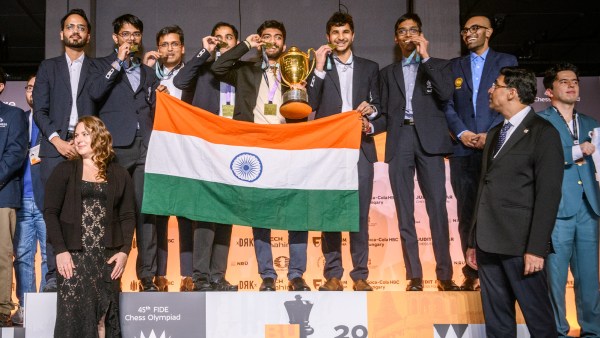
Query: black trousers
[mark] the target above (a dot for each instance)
(502, 283)
(133, 158)
(465, 172)
(431, 173)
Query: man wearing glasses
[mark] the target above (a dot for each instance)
(61, 98)
(123, 89)
(31, 228)
(470, 118)
(217, 97)
(413, 92)
(515, 210)
(167, 61)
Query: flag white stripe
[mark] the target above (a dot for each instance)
(169, 154)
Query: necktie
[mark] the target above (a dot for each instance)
(502, 137)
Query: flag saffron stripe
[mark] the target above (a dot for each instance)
(337, 131)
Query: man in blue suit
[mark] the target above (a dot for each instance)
(13, 150)
(469, 119)
(61, 97)
(575, 234)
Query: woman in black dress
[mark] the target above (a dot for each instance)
(90, 216)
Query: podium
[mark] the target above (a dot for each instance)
(386, 314)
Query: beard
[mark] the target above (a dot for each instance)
(75, 43)
(275, 54)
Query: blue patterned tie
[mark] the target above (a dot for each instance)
(502, 137)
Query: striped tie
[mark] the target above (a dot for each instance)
(502, 137)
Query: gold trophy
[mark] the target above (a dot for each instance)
(295, 68)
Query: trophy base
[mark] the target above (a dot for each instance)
(295, 105)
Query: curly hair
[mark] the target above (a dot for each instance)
(101, 144)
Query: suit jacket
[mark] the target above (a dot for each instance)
(433, 87)
(62, 207)
(196, 77)
(325, 97)
(579, 178)
(459, 109)
(245, 76)
(53, 100)
(519, 190)
(34, 170)
(14, 136)
(121, 107)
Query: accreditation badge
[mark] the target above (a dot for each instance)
(227, 110)
(270, 109)
(34, 155)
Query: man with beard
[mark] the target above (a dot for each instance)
(258, 99)
(61, 97)
(210, 256)
(123, 89)
(575, 234)
(413, 93)
(470, 117)
(349, 83)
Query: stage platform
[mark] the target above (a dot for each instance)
(385, 314)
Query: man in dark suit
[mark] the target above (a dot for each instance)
(413, 92)
(123, 89)
(61, 98)
(258, 99)
(13, 151)
(31, 229)
(515, 210)
(349, 83)
(470, 118)
(216, 97)
(575, 234)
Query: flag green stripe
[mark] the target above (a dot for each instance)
(285, 209)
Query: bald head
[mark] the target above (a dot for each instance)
(476, 34)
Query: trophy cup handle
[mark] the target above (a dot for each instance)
(314, 60)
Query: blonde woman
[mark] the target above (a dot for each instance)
(89, 209)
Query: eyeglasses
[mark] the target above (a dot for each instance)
(76, 28)
(412, 31)
(127, 34)
(496, 86)
(173, 45)
(472, 29)
(29, 88)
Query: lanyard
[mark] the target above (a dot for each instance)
(275, 85)
(160, 73)
(575, 132)
(228, 89)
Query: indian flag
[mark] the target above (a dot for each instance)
(300, 176)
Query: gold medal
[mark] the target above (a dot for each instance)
(270, 109)
(227, 110)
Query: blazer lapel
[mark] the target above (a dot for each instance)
(357, 80)
(85, 68)
(490, 63)
(517, 135)
(63, 70)
(465, 65)
(335, 78)
(399, 76)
